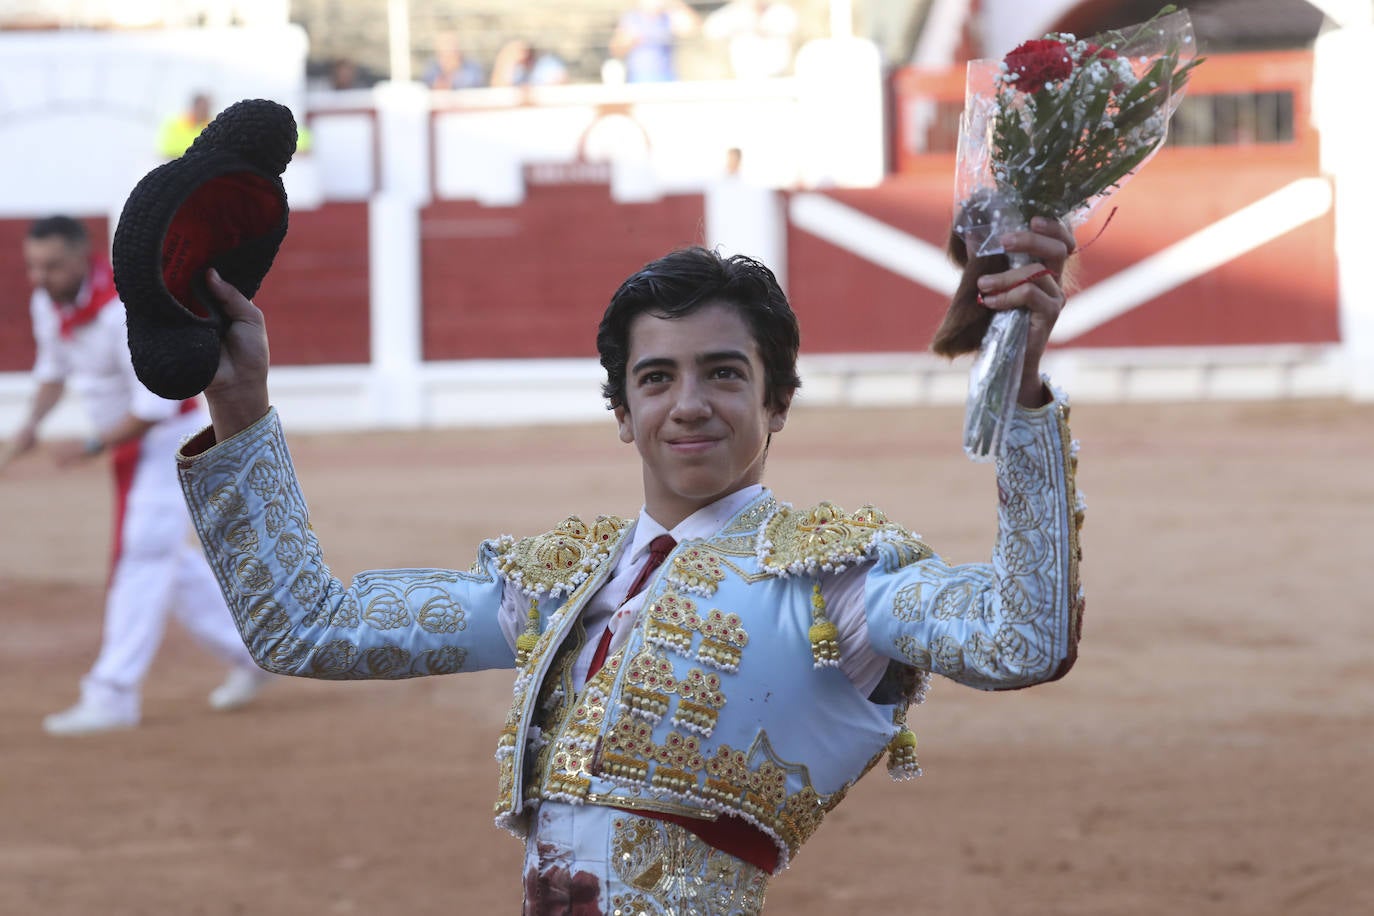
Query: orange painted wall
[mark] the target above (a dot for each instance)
(533, 280)
(316, 296)
(1281, 292)
(1284, 291)
(848, 305)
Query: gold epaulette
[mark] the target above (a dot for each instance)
(824, 538)
(557, 561)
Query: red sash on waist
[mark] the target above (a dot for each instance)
(125, 458)
(729, 834)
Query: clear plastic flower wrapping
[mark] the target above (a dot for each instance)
(1053, 130)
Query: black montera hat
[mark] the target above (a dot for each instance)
(221, 205)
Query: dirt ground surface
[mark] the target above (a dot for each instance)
(1210, 753)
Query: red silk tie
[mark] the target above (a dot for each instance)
(659, 548)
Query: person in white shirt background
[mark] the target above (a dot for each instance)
(759, 33)
(79, 328)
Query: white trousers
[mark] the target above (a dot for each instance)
(157, 570)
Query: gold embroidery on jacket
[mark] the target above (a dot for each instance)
(558, 561)
(696, 570)
(226, 501)
(679, 761)
(752, 783)
(740, 545)
(674, 871)
(628, 749)
(723, 640)
(1028, 508)
(241, 537)
(264, 479)
(825, 538)
(567, 724)
(648, 683)
(750, 519)
(1079, 507)
(700, 703)
(672, 621)
(568, 774)
(441, 614)
(555, 702)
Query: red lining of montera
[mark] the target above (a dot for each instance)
(217, 217)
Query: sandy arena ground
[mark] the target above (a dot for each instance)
(1210, 754)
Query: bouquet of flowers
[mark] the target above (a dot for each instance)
(1051, 130)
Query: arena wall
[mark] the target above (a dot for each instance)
(449, 253)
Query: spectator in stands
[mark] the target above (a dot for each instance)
(646, 38)
(519, 63)
(759, 33)
(179, 131)
(450, 68)
(734, 158)
(344, 73)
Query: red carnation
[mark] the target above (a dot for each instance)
(1036, 63)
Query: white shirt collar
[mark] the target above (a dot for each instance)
(702, 523)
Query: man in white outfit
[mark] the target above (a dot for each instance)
(78, 324)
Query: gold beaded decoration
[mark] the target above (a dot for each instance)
(526, 641)
(901, 755)
(723, 639)
(825, 638)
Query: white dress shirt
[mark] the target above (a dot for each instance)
(94, 362)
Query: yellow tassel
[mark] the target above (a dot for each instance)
(901, 755)
(526, 641)
(825, 637)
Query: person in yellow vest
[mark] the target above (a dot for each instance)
(180, 131)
